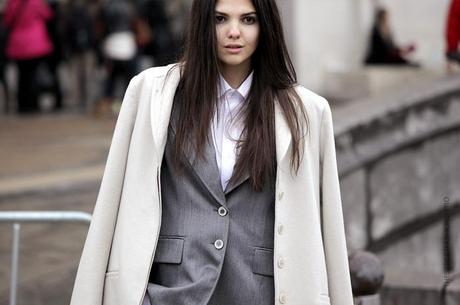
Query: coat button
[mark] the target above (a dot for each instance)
(222, 211)
(219, 244)
(282, 298)
(280, 262)
(280, 196)
(280, 229)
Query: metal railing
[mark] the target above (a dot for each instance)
(443, 215)
(450, 275)
(16, 218)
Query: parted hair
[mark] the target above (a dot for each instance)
(273, 82)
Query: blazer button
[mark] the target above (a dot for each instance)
(219, 244)
(222, 211)
(280, 262)
(282, 298)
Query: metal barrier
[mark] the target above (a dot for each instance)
(16, 218)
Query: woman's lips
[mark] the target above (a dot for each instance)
(233, 49)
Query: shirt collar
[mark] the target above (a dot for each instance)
(243, 89)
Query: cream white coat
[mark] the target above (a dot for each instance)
(310, 256)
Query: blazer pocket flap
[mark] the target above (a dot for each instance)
(262, 261)
(169, 250)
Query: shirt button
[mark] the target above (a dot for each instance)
(280, 262)
(219, 244)
(222, 211)
(282, 298)
(280, 229)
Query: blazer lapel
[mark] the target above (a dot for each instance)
(233, 185)
(283, 140)
(205, 168)
(162, 115)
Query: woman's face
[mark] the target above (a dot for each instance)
(237, 29)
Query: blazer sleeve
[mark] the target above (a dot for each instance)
(89, 282)
(333, 230)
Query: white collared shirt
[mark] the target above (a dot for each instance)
(226, 130)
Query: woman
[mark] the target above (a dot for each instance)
(215, 195)
(382, 48)
(453, 35)
(28, 44)
(119, 49)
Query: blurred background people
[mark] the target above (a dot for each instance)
(118, 48)
(3, 81)
(453, 34)
(54, 27)
(382, 47)
(28, 44)
(162, 46)
(80, 45)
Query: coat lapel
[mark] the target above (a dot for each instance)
(282, 134)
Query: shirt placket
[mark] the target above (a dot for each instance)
(229, 136)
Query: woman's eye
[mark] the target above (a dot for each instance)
(249, 20)
(220, 19)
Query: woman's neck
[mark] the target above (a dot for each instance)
(235, 75)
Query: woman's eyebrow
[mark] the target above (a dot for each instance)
(244, 15)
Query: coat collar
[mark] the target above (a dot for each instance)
(161, 106)
(161, 101)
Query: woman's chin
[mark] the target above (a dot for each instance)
(234, 62)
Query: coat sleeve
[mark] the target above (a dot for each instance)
(89, 282)
(453, 26)
(333, 230)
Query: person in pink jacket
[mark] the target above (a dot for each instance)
(28, 43)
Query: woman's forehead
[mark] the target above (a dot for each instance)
(235, 7)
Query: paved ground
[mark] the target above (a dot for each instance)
(48, 163)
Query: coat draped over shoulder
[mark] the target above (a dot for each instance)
(117, 256)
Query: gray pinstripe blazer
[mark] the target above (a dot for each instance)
(215, 246)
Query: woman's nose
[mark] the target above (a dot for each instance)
(234, 31)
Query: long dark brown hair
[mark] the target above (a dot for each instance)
(274, 80)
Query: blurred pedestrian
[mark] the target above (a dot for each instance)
(3, 62)
(162, 47)
(206, 152)
(382, 48)
(80, 42)
(54, 27)
(178, 15)
(119, 49)
(453, 34)
(28, 45)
